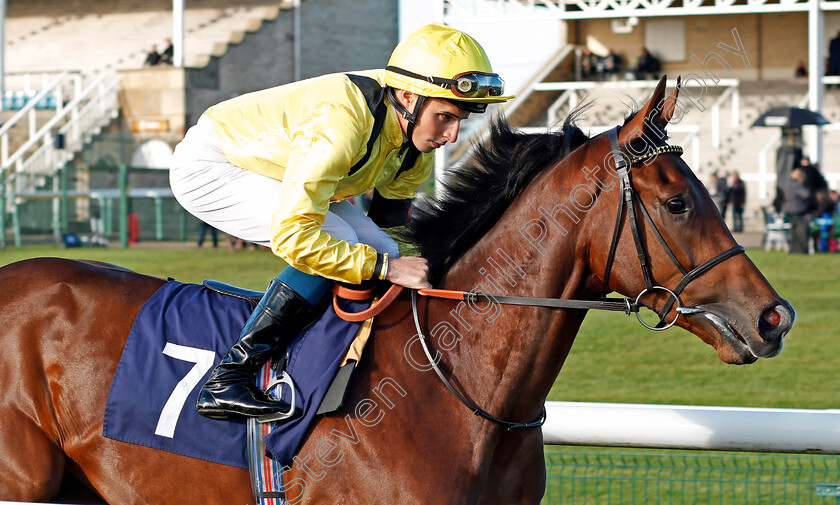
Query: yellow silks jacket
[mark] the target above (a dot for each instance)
(308, 134)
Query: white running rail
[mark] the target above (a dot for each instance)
(800, 431)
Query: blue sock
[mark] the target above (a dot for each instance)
(311, 288)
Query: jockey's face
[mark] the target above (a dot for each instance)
(438, 123)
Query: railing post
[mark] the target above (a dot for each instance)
(33, 122)
(16, 222)
(158, 218)
(736, 106)
(123, 184)
(828, 489)
(182, 214)
(65, 204)
(716, 126)
(695, 148)
(3, 210)
(56, 210)
(107, 205)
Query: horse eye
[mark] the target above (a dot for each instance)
(676, 205)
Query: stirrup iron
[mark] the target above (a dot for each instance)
(281, 378)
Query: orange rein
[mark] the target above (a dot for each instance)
(358, 295)
(389, 296)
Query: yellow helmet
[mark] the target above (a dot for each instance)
(441, 62)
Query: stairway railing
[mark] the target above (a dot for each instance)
(77, 121)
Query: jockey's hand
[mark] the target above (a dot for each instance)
(409, 271)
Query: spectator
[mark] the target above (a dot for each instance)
(721, 193)
(648, 66)
(610, 66)
(737, 197)
(588, 64)
(834, 56)
(97, 236)
(788, 156)
(168, 53)
(214, 234)
(835, 219)
(824, 206)
(801, 71)
(813, 177)
(798, 202)
(237, 244)
(153, 58)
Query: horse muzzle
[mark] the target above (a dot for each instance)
(759, 338)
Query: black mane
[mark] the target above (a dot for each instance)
(476, 194)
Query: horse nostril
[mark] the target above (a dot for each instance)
(771, 317)
(775, 321)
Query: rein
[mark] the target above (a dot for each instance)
(630, 201)
(473, 407)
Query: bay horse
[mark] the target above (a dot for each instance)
(555, 215)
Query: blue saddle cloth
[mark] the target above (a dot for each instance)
(180, 334)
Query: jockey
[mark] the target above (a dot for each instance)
(277, 166)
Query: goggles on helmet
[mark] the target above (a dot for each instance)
(466, 85)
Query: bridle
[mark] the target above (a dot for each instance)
(630, 200)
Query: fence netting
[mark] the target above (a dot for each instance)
(620, 476)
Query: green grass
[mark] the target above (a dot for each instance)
(246, 268)
(668, 477)
(614, 359)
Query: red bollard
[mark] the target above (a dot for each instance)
(133, 228)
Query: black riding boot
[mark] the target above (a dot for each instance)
(231, 390)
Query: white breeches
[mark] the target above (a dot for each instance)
(240, 202)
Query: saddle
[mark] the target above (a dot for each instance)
(335, 394)
(181, 332)
(266, 473)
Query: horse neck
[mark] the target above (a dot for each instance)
(513, 354)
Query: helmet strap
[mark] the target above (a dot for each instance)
(411, 117)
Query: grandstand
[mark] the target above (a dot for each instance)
(716, 131)
(75, 53)
(117, 35)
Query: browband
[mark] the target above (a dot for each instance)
(656, 152)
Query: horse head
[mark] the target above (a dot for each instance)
(671, 249)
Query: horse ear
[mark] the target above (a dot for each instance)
(650, 121)
(670, 104)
